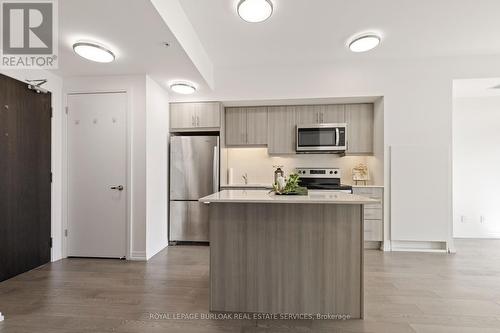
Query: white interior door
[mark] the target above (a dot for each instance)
(96, 169)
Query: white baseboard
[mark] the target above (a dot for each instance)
(138, 256)
(419, 246)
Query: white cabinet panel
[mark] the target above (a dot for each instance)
(420, 209)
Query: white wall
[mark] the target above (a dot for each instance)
(54, 85)
(136, 123)
(476, 167)
(157, 118)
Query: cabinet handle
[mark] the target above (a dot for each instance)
(192, 121)
(322, 120)
(197, 121)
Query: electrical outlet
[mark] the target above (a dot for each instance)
(482, 219)
(462, 218)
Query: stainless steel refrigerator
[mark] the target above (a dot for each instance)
(194, 173)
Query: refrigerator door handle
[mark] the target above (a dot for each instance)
(216, 169)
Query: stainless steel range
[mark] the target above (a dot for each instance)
(322, 179)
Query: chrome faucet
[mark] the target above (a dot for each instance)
(245, 178)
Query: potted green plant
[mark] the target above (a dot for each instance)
(289, 186)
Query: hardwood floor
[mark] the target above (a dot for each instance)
(404, 292)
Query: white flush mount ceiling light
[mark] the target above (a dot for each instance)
(93, 52)
(184, 88)
(364, 42)
(254, 11)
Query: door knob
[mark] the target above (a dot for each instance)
(117, 187)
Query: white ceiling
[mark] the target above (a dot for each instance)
(133, 30)
(301, 32)
(476, 87)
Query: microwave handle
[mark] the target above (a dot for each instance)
(337, 137)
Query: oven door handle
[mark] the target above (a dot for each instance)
(337, 137)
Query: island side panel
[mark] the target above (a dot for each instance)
(286, 258)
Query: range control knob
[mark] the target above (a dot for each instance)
(336, 172)
(331, 172)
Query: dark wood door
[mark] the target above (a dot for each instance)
(25, 178)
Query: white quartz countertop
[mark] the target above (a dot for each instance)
(263, 196)
(262, 185)
(255, 185)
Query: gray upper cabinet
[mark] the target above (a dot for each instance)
(281, 129)
(333, 113)
(320, 114)
(257, 126)
(359, 119)
(275, 126)
(236, 126)
(246, 126)
(195, 116)
(207, 114)
(181, 116)
(307, 114)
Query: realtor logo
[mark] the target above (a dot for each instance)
(29, 34)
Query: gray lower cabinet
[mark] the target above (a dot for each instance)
(359, 119)
(200, 116)
(373, 213)
(246, 126)
(281, 124)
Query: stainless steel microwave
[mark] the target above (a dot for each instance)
(322, 138)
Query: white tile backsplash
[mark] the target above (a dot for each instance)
(258, 165)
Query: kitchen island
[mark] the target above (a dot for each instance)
(286, 254)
